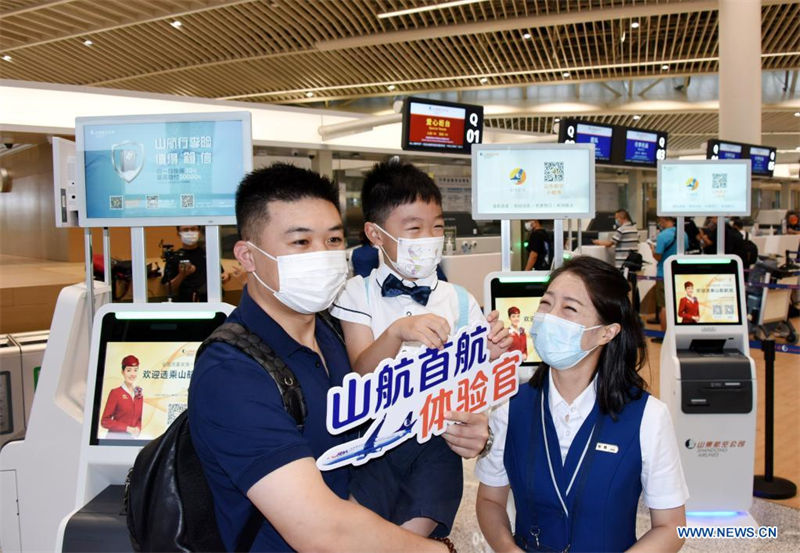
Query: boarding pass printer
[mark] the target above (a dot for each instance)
(708, 381)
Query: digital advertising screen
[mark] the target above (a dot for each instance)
(548, 181)
(706, 299)
(435, 126)
(703, 187)
(144, 367)
(161, 170)
(644, 147)
(517, 299)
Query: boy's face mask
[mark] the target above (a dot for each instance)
(416, 257)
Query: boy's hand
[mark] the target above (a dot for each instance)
(499, 337)
(430, 330)
(468, 437)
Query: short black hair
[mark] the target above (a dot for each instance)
(624, 214)
(279, 182)
(394, 183)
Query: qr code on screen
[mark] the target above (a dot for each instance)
(553, 171)
(187, 201)
(152, 202)
(174, 410)
(719, 180)
(115, 202)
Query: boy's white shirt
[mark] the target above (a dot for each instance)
(379, 312)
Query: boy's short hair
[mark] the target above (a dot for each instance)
(392, 184)
(278, 182)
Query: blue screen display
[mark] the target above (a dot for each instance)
(640, 147)
(759, 159)
(163, 169)
(730, 151)
(597, 135)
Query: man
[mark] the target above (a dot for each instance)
(185, 269)
(666, 245)
(708, 238)
(257, 462)
(540, 249)
(625, 238)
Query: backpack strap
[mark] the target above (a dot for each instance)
(241, 338)
(463, 307)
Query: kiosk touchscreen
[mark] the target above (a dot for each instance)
(516, 296)
(708, 380)
(140, 366)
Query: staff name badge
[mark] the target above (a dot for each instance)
(606, 448)
(408, 396)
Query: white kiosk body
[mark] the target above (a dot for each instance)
(37, 473)
(708, 380)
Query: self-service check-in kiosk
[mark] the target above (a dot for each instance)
(708, 381)
(162, 340)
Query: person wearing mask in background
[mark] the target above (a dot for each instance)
(666, 245)
(708, 238)
(792, 222)
(625, 238)
(583, 439)
(185, 270)
(259, 465)
(540, 248)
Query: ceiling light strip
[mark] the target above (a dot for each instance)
(429, 8)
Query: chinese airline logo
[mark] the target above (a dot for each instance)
(692, 184)
(518, 176)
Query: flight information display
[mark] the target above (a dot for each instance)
(586, 133)
(762, 158)
(156, 170)
(435, 126)
(615, 144)
(533, 180)
(645, 148)
(703, 187)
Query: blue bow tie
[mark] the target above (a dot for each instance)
(393, 287)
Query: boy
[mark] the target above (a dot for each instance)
(402, 304)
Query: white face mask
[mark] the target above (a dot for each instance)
(308, 282)
(416, 257)
(190, 237)
(558, 341)
(528, 226)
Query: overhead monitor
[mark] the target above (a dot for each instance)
(444, 127)
(762, 158)
(541, 181)
(703, 187)
(717, 149)
(155, 170)
(706, 292)
(131, 407)
(516, 297)
(579, 132)
(643, 147)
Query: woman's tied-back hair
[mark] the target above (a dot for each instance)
(621, 359)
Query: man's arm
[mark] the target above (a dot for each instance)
(310, 517)
(531, 261)
(606, 243)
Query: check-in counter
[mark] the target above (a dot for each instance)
(776, 243)
(470, 270)
(600, 252)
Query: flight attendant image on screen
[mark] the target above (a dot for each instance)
(689, 306)
(153, 391)
(705, 299)
(517, 315)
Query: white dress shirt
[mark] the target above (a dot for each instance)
(662, 477)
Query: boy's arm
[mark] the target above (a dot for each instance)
(365, 352)
(310, 517)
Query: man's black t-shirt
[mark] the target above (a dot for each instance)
(193, 287)
(538, 241)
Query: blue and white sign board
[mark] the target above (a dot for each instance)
(410, 395)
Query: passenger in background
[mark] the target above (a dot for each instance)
(792, 222)
(666, 245)
(708, 238)
(540, 247)
(579, 444)
(625, 238)
(185, 268)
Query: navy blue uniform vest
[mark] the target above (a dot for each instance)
(605, 492)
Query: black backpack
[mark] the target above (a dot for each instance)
(748, 251)
(168, 502)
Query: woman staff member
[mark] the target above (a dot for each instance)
(578, 445)
(122, 415)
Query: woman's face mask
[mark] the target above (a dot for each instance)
(558, 341)
(308, 282)
(416, 257)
